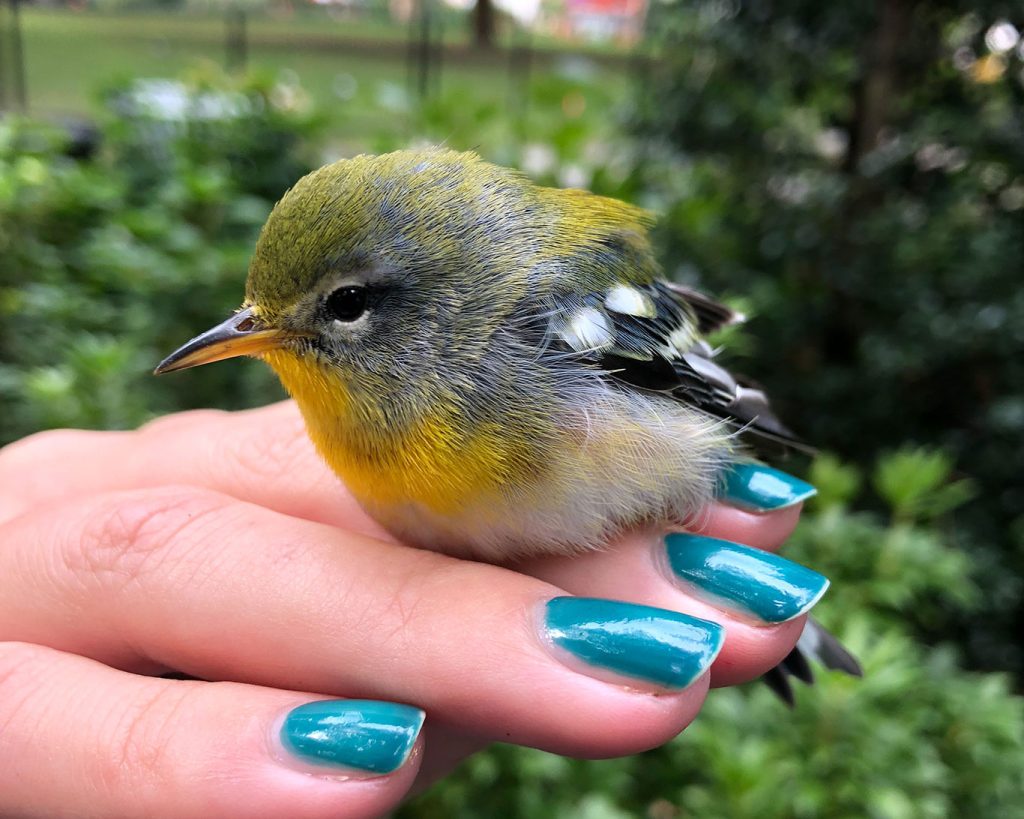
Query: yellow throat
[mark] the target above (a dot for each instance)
(435, 462)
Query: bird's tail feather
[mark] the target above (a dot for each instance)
(815, 643)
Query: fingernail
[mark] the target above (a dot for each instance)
(760, 488)
(734, 577)
(362, 735)
(655, 645)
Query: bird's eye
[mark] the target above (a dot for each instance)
(347, 303)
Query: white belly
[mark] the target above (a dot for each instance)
(628, 459)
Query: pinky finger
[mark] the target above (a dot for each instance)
(80, 739)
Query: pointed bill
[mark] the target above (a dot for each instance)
(242, 334)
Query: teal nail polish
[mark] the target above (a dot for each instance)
(761, 488)
(365, 735)
(732, 576)
(655, 645)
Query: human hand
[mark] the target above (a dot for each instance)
(217, 545)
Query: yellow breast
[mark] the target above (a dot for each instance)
(435, 461)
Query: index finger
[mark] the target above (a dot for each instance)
(262, 456)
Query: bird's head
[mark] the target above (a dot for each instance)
(406, 302)
(381, 271)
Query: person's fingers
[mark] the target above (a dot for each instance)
(760, 599)
(763, 530)
(265, 457)
(262, 456)
(82, 739)
(759, 505)
(174, 578)
(720, 570)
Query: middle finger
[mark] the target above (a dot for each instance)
(171, 578)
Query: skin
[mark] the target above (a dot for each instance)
(208, 545)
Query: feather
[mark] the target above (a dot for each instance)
(778, 681)
(822, 645)
(650, 337)
(710, 314)
(815, 643)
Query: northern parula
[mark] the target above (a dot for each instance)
(494, 368)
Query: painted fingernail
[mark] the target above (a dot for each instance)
(362, 735)
(760, 488)
(738, 578)
(654, 645)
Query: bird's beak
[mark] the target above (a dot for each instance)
(242, 334)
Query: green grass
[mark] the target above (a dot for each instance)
(69, 56)
(355, 73)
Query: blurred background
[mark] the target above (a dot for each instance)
(850, 175)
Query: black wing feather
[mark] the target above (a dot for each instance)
(710, 314)
(665, 352)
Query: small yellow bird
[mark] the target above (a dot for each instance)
(495, 369)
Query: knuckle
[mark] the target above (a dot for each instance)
(263, 454)
(291, 555)
(126, 534)
(22, 666)
(140, 749)
(423, 593)
(179, 421)
(19, 664)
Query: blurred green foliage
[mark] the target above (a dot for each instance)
(108, 264)
(857, 174)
